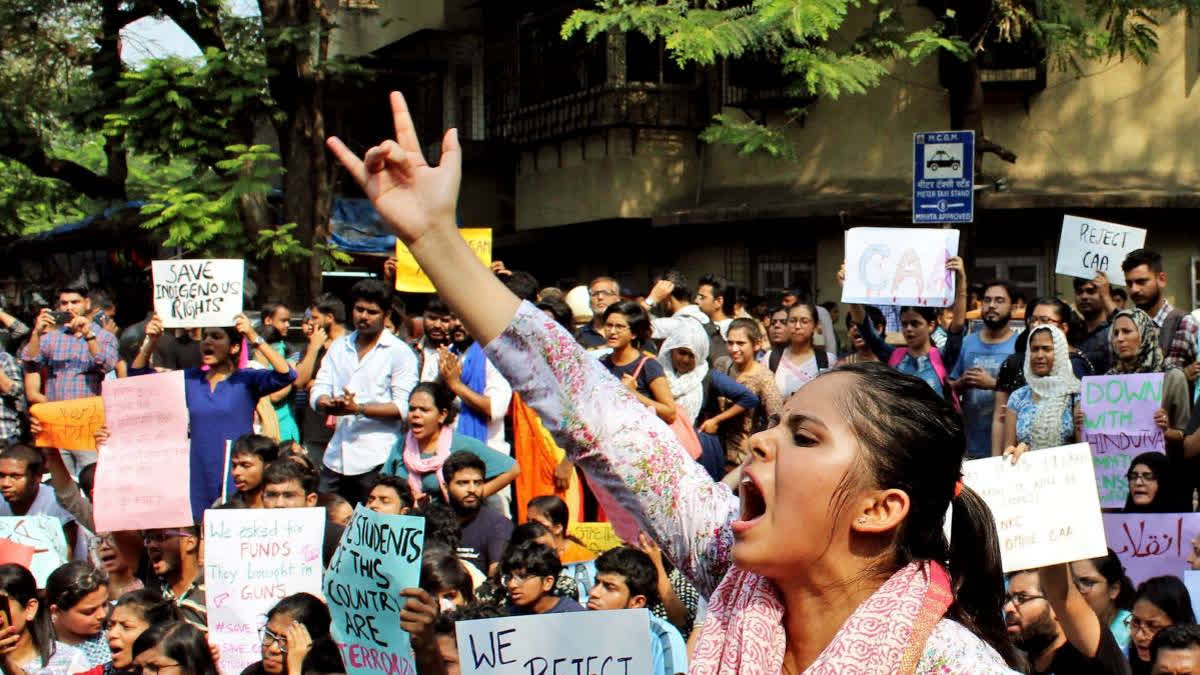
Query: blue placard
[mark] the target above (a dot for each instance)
(944, 177)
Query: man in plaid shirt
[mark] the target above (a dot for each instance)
(76, 356)
(1146, 280)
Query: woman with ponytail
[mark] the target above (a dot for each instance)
(833, 560)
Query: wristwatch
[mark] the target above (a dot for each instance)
(258, 340)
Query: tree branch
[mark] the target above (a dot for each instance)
(76, 175)
(200, 21)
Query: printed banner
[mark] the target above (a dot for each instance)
(1088, 246)
(253, 558)
(595, 537)
(44, 534)
(379, 556)
(69, 425)
(1152, 544)
(142, 478)
(410, 278)
(1118, 424)
(1045, 506)
(198, 293)
(617, 641)
(899, 266)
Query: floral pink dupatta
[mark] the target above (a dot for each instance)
(744, 633)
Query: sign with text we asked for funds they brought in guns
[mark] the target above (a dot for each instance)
(1045, 505)
(1118, 425)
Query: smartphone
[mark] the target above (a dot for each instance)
(62, 318)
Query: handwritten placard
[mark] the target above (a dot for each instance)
(618, 641)
(595, 537)
(1118, 424)
(70, 425)
(253, 558)
(1088, 246)
(198, 293)
(379, 556)
(142, 479)
(899, 266)
(1045, 506)
(410, 278)
(42, 533)
(1152, 544)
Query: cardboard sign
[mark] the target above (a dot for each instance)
(198, 293)
(410, 278)
(899, 266)
(595, 537)
(379, 556)
(142, 478)
(1118, 424)
(1152, 544)
(617, 641)
(253, 558)
(44, 534)
(69, 425)
(1088, 246)
(1046, 507)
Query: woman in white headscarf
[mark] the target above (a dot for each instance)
(1042, 413)
(684, 357)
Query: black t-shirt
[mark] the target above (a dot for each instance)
(313, 429)
(485, 538)
(333, 537)
(650, 372)
(177, 353)
(1109, 659)
(590, 338)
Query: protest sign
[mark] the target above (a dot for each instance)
(1191, 580)
(16, 554)
(617, 642)
(198, 293)
(595, 537)
(253, 558)
(1088, 246)
(1152, 544)
(899, 266)
(42, 533)
(410, 278)
(380, 555)
(142, 479)
(1118, 424)
(70, 425)
(1045, 506)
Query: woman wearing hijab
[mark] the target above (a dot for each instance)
(1155, 486)
(1134, 338)
(868, 458)
(1042, 413)
(684, 358)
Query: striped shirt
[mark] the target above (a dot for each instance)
(191, 602)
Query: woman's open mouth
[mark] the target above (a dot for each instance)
(754, 506)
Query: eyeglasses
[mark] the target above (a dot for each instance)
(154, 669)
(1042, 321)
(1021, 599)
(519, 578)
(601, 294)
(267, 638)
(163, 535)
(1136, 625)
(1143, 476)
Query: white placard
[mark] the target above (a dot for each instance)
(617, 641)
(1046, 507)
(899, 266)
(1089, 246)
(43, 533)
(253, 558)
(198, 293)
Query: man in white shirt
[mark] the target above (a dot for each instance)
(21, 470)
(364, 382)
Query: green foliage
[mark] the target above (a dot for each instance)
(749, 136)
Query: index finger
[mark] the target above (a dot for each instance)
(406, 133)
(351, 161)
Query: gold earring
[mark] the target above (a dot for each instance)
(862, 520)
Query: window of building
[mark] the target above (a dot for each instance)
(1026, 274)
(358, 4)
(649, 61)
(775, 277)
(552, 68)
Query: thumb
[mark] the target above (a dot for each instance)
(451, 152)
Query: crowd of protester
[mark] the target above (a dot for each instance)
(787, 466)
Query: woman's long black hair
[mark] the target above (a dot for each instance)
(180, 641)
(18, 583)
(1170, 595)
(913, 440)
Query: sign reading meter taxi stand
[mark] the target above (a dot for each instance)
(944, 177)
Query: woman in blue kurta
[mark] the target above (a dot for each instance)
(221, 398)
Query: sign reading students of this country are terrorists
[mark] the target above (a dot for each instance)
(944, 177)
(197, 293)
(380, 555)
(1088, 246)
(1118, 424)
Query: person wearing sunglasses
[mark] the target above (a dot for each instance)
(1159, 602)
(293, 624)
(174, 648)
(175, 557)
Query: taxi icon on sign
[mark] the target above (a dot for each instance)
(942, 160)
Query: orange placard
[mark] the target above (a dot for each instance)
(69, 425)
(595, 537)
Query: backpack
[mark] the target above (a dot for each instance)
(717, 347)
(939, 368)
(820, 355)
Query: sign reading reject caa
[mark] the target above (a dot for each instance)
(944, 177)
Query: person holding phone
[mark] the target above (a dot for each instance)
(74, 355)
(27, 643)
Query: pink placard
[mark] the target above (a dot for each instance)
(1118, 424)
(142, 479)
(1152, 544)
